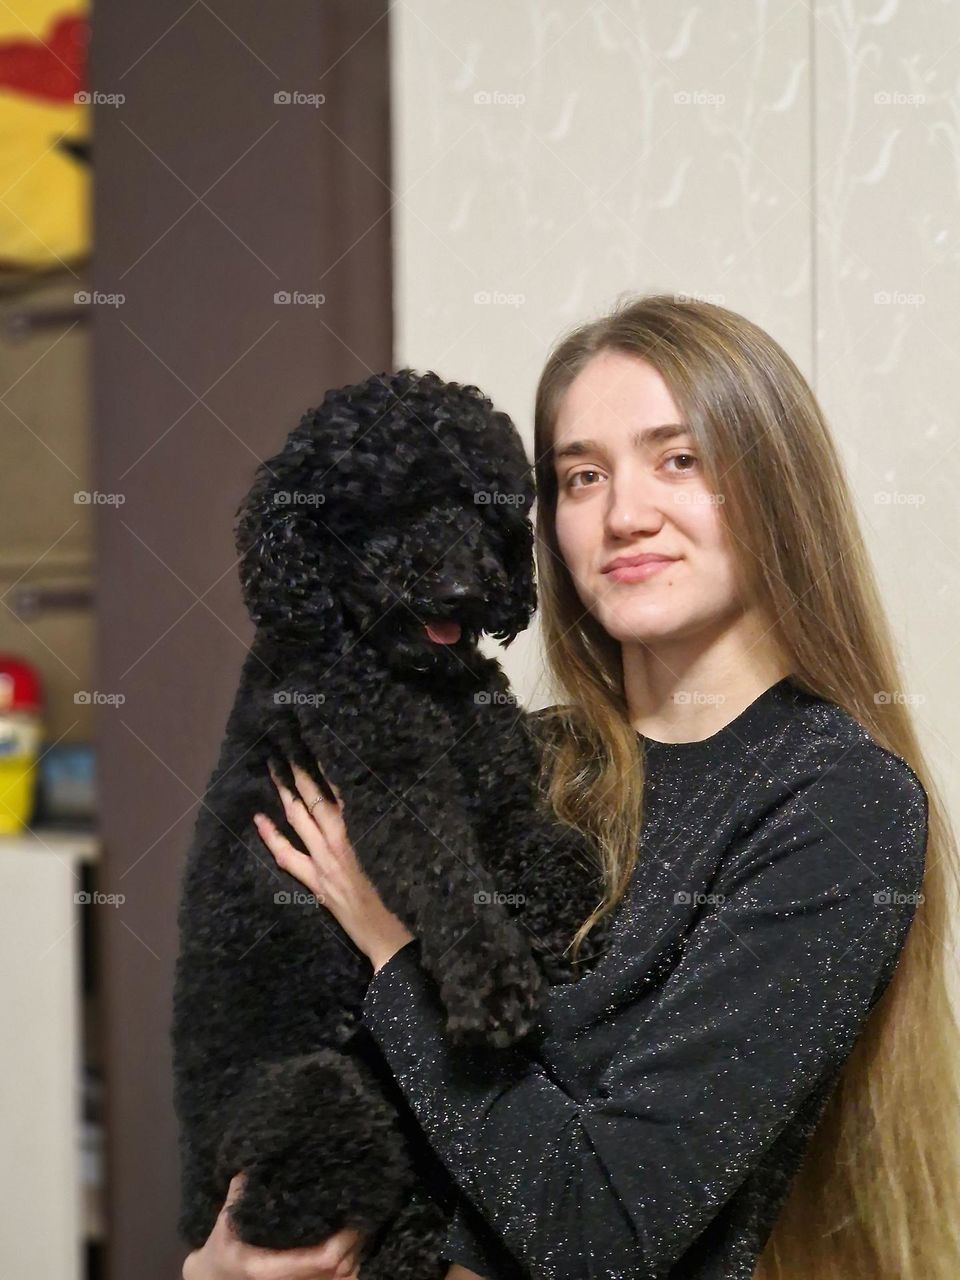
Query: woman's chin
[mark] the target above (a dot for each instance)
(641, 626)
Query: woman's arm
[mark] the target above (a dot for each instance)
(776, 980)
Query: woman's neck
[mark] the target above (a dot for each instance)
(695, 700)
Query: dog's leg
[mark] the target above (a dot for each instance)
(408, 820)
(253, 1003)
(310, 1116)
(555, 872)
(548, 873)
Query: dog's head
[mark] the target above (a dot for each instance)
(396, 514)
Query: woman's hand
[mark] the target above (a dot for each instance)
(224, 1257)
(329, 868)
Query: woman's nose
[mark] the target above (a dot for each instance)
(629, 514)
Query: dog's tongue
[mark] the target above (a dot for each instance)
(443, 632)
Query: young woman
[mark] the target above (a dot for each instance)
(760, 1077)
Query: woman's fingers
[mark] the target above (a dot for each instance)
(300, 865)
(348, 1265)
(322, 812)
(306, 817)
(309, 790)
(324, 1259)
(317, 821)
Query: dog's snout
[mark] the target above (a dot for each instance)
(454, 590)
(462, 571)
(487, 566)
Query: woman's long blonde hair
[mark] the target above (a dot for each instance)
(878, 1194)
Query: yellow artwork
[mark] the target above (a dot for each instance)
(44, 135)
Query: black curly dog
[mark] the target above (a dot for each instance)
(390, 531)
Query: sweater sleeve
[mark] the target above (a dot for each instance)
(479, 1251)
(799, 933)
(457, 1246)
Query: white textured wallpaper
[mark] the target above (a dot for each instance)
(798, 164)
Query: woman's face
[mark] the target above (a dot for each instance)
(617, 496)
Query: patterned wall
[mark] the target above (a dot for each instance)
(798, 164)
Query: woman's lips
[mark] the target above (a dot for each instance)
(638, 572)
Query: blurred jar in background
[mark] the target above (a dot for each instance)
(21, 732)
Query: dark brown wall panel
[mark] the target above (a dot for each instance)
(210, 198)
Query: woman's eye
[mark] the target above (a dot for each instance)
(686, 458)
(576, 476)
(674, 457)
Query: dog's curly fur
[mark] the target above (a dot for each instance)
(400, 503)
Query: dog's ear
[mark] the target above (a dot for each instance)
(308, 505)
(521, 600)
(285, 566)
(291, 528)
(497, 471)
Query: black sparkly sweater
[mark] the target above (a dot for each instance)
(657, 1129)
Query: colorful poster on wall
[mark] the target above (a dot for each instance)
(44, 136)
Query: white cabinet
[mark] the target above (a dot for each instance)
(44, 1204)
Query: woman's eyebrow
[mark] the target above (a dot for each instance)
(645, 436)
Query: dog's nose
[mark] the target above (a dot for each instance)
(453, 592)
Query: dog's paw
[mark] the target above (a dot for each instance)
(319, 1148)
(492, 1002)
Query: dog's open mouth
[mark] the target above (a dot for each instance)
(443, 632)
